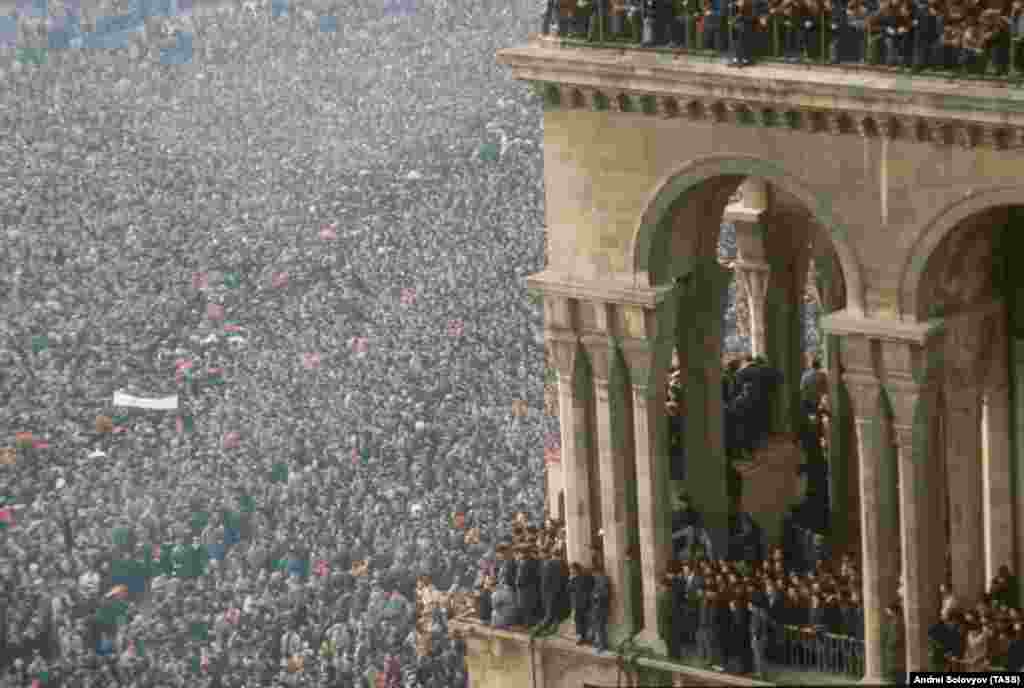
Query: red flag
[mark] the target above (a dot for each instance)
(329, 232)
(311, 361)
(279, 280)
(321, 568)
(232, 440)
(408, 296)
(215, 312)
(200, 280)
(40, 444)
(455, 328)
(7, 516)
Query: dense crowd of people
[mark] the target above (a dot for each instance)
(923, 34)
(297, 234)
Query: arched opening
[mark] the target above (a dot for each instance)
(681, 241)
(968, 280)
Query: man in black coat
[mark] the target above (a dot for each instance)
(737, 638)
(600, 606)
(528, 585)
(946, 634)
(507, 567)
(760, 630)
(552, 587)
(580, 586)
(705, 626)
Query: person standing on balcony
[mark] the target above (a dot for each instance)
(600, 601)
(580, 587)
(747, 13)
(715, 29)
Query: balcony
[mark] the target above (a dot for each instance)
(947, 41)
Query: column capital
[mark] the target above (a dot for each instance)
(863, 387)
(601, 350)
(564, 345)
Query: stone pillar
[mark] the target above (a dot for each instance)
(700, 327)
(967, 341)
(998, 477)
(842, 441)
(997, 458)
(913, 385)
(613, 484)
(880, 559)
(964, 475)
(573, 381)
(647, 351)
(753, 277)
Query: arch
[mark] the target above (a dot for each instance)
(672, 189)
(938, 228)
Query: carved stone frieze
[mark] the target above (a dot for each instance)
(835, 122)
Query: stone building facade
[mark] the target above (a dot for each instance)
(905, 194)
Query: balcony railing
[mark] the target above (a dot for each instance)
(940, 38)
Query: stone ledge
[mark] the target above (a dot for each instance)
(803, 98)
(844, 323)
(552, 283)
(688, 675)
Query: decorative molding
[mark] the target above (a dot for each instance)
(745, 112)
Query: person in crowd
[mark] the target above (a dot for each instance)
(600, 599)
(553, 582)
(528, 584)
(760, 631)
(580, 588)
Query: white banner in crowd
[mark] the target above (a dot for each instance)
(153, 404)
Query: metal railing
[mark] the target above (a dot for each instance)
(780, 38)
(814, 648)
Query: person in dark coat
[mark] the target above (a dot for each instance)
(507, 567)
(553, 581)
(486, 588)
(579, 588)
(683, 619)
(600, 603)
(947, 641)
(528, 585)
(705, 627)
(721, 627)
(760, 626)
(1015, 652)
(737, 638)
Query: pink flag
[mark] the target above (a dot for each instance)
(200, 280)
(180, 367)
(179, 424)
(118, 429)
(232, 616)
(215, 371)
(232, 440)
(455, 328)
(215, 312)
(278, 280)
(552, 448)
(355, 456)
(311, 361)
(360, 345)
(408, 296)
(321, 568)
(36, 683)
(329, 232)
(232, 327)
(7, 515)
(40, 444)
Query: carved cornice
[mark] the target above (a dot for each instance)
(871, 106)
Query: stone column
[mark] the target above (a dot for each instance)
(613, 483)
(880, 559)
(647, 351)
(964, 475)
(998, 479)
(967, 339)
(997, 457)
(575, 459)
(753, 278)
(842, 453)
(914, 391)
